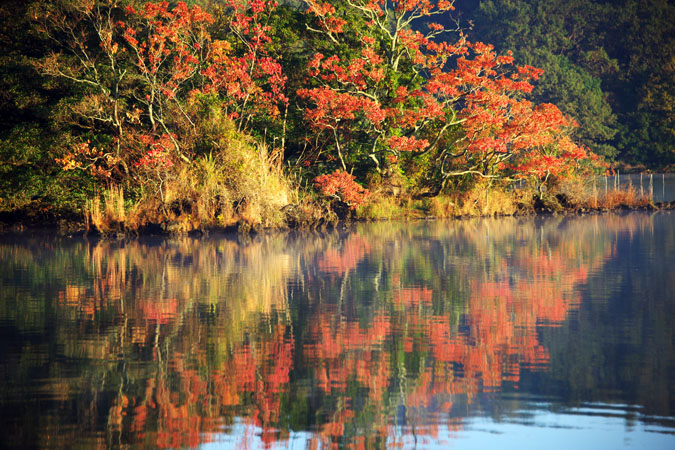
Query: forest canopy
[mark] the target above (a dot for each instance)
(611, 65)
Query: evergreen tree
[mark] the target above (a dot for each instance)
(609, 64)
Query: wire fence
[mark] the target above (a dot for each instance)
(659, 187)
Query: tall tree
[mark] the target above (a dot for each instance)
(554, 36)
(398, 95)
(29, 141)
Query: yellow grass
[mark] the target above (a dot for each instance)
(579, 194)
(617, 198)
(379, 207)
(241, 183)
(109, 216)
(479, 201)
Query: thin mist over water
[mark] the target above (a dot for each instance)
(381, 335)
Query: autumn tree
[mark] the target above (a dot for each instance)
(604, 63)
(374, 103)
(86, 54)
(155, 82)
(246, 68)
(409, 99)
(504, 134)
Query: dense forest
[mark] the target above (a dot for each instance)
(215, 113)
(609, 64)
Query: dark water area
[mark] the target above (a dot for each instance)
(495, 333)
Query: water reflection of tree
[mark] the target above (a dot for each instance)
(361, 339)
(629, 359)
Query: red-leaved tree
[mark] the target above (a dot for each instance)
(151, 69)
(417, 95)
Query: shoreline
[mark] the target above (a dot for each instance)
(71, 228)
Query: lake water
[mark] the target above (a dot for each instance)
(520, 333)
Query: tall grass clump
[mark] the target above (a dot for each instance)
(585, 194)
(109, 216)
(627, 197)
(380, 207)
(230, 186)
(233, 179)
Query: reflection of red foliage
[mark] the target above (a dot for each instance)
(413, 297)
(346, 259)
(182, 410)
(458, 347)
(499, 340)
(263, 370)
(160, 311)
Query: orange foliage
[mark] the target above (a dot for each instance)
(462, 85)
(341, 185)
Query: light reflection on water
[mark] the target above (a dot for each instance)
(463, 333)
(595, 427)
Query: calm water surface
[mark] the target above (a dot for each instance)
(503, 333)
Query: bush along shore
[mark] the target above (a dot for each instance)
(130, 117)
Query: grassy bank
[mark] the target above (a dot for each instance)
(482, 201)
(203, 197)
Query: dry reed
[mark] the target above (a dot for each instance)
(627, 197)
(109, 217)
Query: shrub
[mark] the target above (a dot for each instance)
(341, 186)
